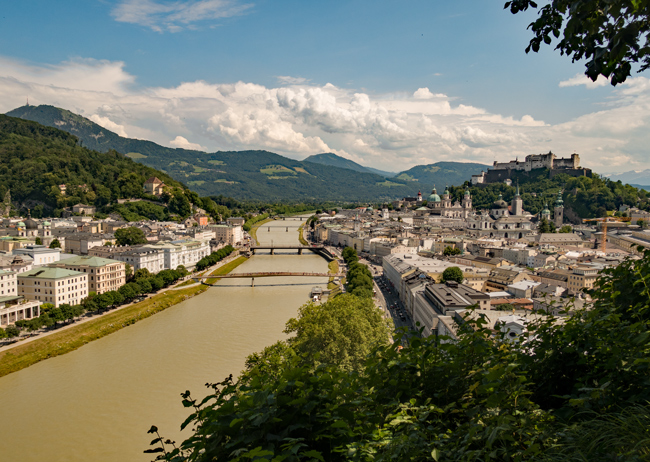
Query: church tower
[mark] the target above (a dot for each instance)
(558, 211)
(517, 204)
(467, 204)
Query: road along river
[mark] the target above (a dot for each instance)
(97, 403)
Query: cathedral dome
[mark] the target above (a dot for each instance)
(500, 203)
(434, 197)
(31, 223)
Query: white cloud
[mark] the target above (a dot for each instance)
(391, 132)
(109, 124)
(181, 142)
(582, 79)
(174, 16)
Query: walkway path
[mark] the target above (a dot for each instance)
(90, 317)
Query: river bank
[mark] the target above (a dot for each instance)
(256, 226)
(76, 335)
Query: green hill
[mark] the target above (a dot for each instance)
(583, 197)
(338, 161)
(258, 175)
(36, 159)
(442, 173)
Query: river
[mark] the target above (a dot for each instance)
(97, 403)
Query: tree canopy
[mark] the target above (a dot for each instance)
(130, 236)
(612, 35)
(453, 273)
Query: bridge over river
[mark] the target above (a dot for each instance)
(266, 274)
(319, 249)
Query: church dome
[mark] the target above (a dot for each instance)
(434, 197)
(31, 223)
(500, 203)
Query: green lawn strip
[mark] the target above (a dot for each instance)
(70, 339)
(302, 240)
(255, 227)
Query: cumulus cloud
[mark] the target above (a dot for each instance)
(288, 80)
(174, 16)
(108, 124)
(390, 132)
(182, 142)
(582, 79)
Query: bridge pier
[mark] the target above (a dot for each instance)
(299, 251)
(287, 229)
(272, 250)
(269, 230)
(252, 282)
(253, 251)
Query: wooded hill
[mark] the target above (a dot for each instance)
(585, 197)
(255, 175)
(35, 160)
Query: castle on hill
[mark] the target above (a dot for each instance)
(501, 171)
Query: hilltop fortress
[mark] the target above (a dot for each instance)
(501, 171)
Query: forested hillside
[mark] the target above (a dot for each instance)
(338, 161)
(587, 197)
(441, 174)
(35, 160)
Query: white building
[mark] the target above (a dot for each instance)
(186, 253)
(14, 308)
(40, 254)
(229, 234)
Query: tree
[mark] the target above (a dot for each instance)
(12, 331)
(55, 244)
(3, 334)
(142, 273)
(453, 273)
(180, 204)
(546, 226)
(130, 236)
(451, 251)
(566, 229)
(38, 241)
(128, 271)
(342, 331)
(641, 223)
(610, 34)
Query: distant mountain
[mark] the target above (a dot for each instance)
(338, 161)
(258, 175)
(441, 173)
(633, 177)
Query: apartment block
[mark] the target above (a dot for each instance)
(104, 274)
(53, 285)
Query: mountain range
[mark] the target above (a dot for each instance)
(257, 175)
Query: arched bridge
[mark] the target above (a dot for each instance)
(267, 274)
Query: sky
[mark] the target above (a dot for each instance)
(388, 84)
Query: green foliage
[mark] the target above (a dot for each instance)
(55, 244)
(180, 204)
(566, 229)
(546, 226)
(359, 277)
(130, 236)
(37, 159)
(587, 197)
(453, 273)
(214, 258)
(342, 331)
(610, 35)
(141, 210)
(256, 219)
(449, 251)
(38, 241)
(12, 331)
(572, 391)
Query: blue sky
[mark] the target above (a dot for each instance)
(299, 77)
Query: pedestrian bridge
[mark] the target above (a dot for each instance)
(267, 274)
(316, 248)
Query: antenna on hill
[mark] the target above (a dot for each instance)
(28, 101)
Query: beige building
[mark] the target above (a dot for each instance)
(53, 285)
(104, 274)
(583, 278)
(8, 283)
(230, 234)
